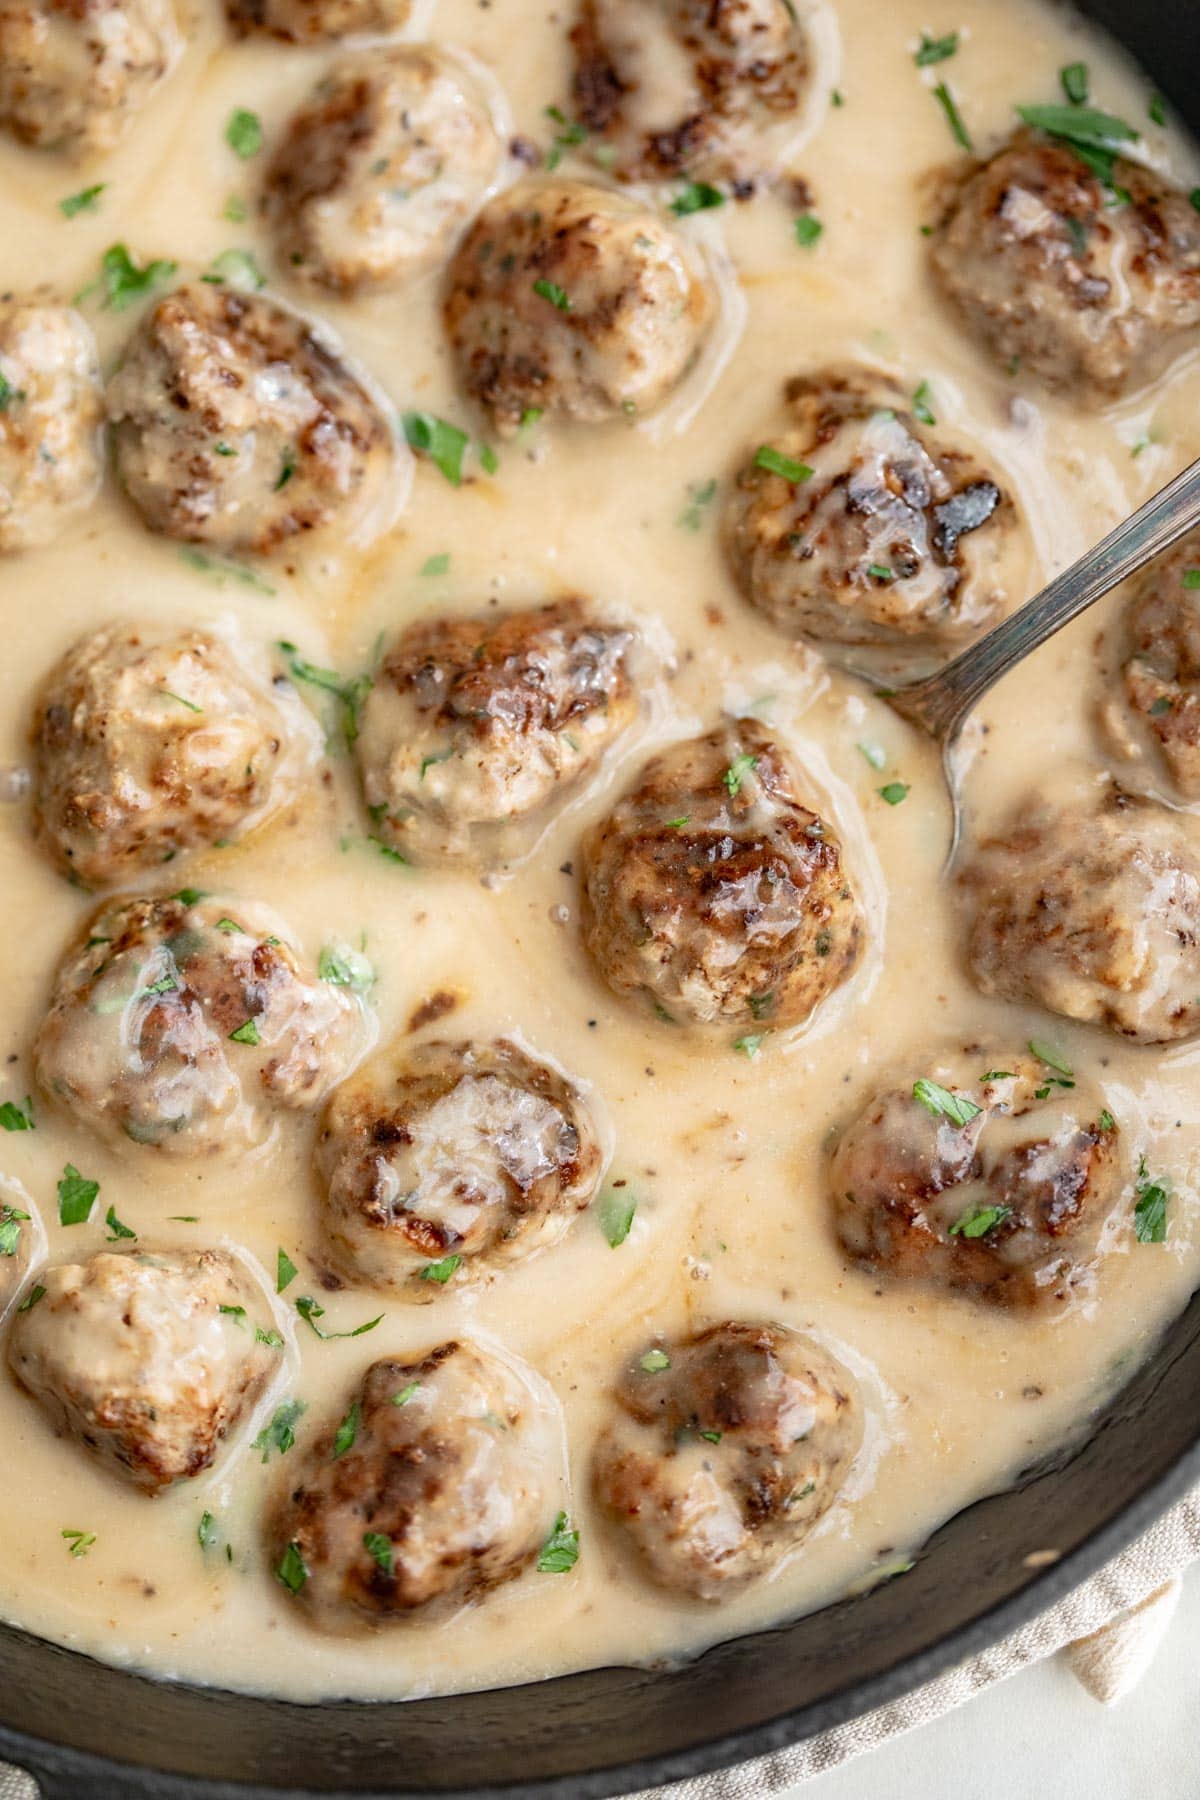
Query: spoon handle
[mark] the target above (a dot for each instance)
(941, 702)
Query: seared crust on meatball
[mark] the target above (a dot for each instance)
(1092, 912)
(1055, 278)
(688, 87)
(987, 1176)
(575, 301)
(74, 74)
(715, 892)
(187, 1023)
(725, 1449)
(380, 168)
(477, 1152)
(148, 1358)
(50, 417)
(886, 538)
(1160, 679)
(475, 725)
(444, 1492)
(238, 424)
(316, 21)
(150, 742)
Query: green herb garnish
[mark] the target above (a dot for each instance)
(560, 1552)
(943, 1103)
(76, 1196)
(614, 1214)
(244, 133)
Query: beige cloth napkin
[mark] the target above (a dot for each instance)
(1109, 1630)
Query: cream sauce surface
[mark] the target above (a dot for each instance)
(725, 1153)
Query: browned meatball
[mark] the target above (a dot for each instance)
(1157, 718)
(381, 168)
(1093, 911)
(466, 1157)
(988, 1175)
(150, 741)
(475, 726)
(148, 1358)
(238, 424)
(445, 1490)
(74, 74)
(51, 413)
(856, 525)
(714, 891)
(189, 1023)
(575, 301)
(1055, 278)
(689, 87)
(316, 21)
(725, 1449)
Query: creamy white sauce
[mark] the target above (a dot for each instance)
(725, 1155)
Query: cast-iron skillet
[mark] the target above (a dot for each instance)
(90, 1732)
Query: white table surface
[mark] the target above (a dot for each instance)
(1039, 1736)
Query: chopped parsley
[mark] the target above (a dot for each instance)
(440, 1271)
(280, 1434)
(749, 1045)
(1150, 1209)
(943, 1103)
(776, 463)
(12, 1118)
(380, 1548)
(234, 210)
(223, 570)
(711, 1437)
(1074, 79)
(84, 201)
(272, 1339)
(246, 1033)
(9, 394)
(292, 1570)
(1107, 1122)
(406, 1394)
(347, 1431)
(697, 196)
(894, 792)
(1094, 136)
(352, 691)
(557, 296)
(116, 1230)
(436, 565)
(206, 1531)
(921, 407)
(310, 1312)
(124, 281)
(1157, 110)
(1191, 578)
(180, 700)
(700, 496)
(443, 443)
(808, 229)
(654, 1362)
(881, 572)
(615, 1210)
(79, 1542)
(979, 1221)
(342, 967)
(737, 772)
(37, 1292)
(76, 1196)
(570, 135)
(954, 118)
(11, 1218)
(244, 133)
(1064, 1075)
(236, 269)
(236, 1313)
(190, 896)
(560, 1552)
(935, 50)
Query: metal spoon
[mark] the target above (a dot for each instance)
(941, 703)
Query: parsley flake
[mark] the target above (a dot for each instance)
(244, 133)
(12, 1118)
(84, 201)
(943, 1103)
(737, 772)
(557, 296)
(76, 1196)
(116, 1230)
(380, 1548)
(935, 50)
(615, 1210)
(444, 444)
(560, 1552)
(979, 1221)
(697, 196)
(280, 1433)
(776, 463)
(440, 1271)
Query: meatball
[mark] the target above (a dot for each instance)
(149, 742)
(1160, 680)
(189, 1023)
(856, 525)
(74, 74)
(1093, 912)
(1054, 277)
(316, 22)
(466, 1157)
(988, 1176)
(573, 301)
(715, 892)
(476, 725)
(690, 87)
(445, 1491)
(50, 417)
(381, 168)
(150, 1359)
(238, 424)
(726, 1448)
